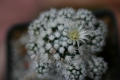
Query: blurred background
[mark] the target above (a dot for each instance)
(21, 11)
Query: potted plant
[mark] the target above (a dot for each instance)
(75, 56)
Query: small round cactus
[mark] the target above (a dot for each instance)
(64, 42)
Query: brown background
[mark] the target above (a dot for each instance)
(19, 11)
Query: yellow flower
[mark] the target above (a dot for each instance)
(77, 34)
(73, 35)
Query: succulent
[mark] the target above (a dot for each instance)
(64, 43)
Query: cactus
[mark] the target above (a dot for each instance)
(65, 42)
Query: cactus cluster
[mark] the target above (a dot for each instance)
(64, 43)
